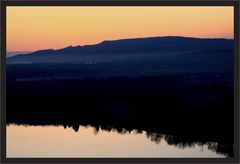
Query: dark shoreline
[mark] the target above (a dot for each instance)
(192, 111)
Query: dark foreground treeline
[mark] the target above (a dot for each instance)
(188, 109)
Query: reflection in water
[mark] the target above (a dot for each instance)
(192, 114)
(55, 141)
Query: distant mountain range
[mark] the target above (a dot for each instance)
(14, 53)
(168, 44)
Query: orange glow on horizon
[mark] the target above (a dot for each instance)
(35, 28)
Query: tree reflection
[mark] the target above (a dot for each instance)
(180, 142)
(164, 107)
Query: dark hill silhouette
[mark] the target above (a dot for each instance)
(176, 86)
(136, 45)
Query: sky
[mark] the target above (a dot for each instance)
(34, 28)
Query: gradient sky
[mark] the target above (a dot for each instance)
(35, 28)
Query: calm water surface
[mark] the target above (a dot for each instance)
(56, 141)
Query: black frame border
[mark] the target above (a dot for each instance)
(5, 3)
